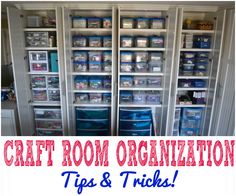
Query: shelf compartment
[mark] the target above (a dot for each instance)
(192, 89)
(141, 74)
(196, 31)
(141, 88)
(40, 29)
(91, 48)
(92, 91)
(92, 73)
(40, 48)
(139, 105)
(142, 49)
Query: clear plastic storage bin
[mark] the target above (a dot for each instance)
(188, 60)
(106, 97)
(155, 66)
(141, 42)
(39, 95)
(157, 23)
(95, 41)
(188, 55)
(95, 66)
(79, 22)
(126, 67)
(192, 113)
(154, 81)
(95, 56)
(54, 95)
(38, 81)
(202, 54)
(38, 56)
(126, 97)
(155, 56)
(187, 67)
(49, 133)
(95, 97)
(141, 67)
(81, 98)
(81, 82)
(41, 124)
(140, 81)
(126, 41)
(39, 67)
(79, 41)
(94, 22)
(142, 23)
(127, 23)
(153, 98)
(126, 81)
(139, 97)
(53, 82)
(141, 57)
(81, 56)
(47, 113)
(95, 83)
(107, 41)
(107, 22)
(126, 57)
(157, 42)
(37, 39)
(80, 66)
(107, 83)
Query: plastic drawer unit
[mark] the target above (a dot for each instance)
(47, 113)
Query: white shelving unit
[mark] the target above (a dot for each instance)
(69, 31)
(17, 19)
(159, 112)
(217, 18)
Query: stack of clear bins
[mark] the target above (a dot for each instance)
(92, 121)
(136, 122)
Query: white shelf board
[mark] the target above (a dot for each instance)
(196, 49)
(46, 103)
(141, 74)
(142, 49)
(139, 105)
(191, 89)
(197, 31)
(40, 48)
(91, 73)
(191, 106)
(91, 48)
(92, 104)
(141, 88)
(96, 30)
(47, 119)
(151, 31)
(48, 129)
(43, 73)
(92, 91)
(193, 77)
(40, 29)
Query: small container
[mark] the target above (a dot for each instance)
(188, 45)
(95, 66)
(126, 97)
(140, 81)
(199, 72)
(39, 95)
(142, 23)
(107, 41)
(95, 98)
(202, 41)
(95, 83)
(79, 41)
(80, 66)
(95, 41)
(126, 67)
(126, 41)
(188, 55)
(53, 82)
(192, 113)
(157, 42)
(185, 83)
(39, 67)
(47, 113)
(34, 21)
(54, 95)
(157, 23)
(81, 56)
(107, 61)
(38, 56)
(107, 83)
(202, 54)
(38, 81)
(204, 61)
(190, 124)
(81, 82)
(94, 22)
(37, 39)
(127, 23)
(126, 57)
(154, 81)
(106, 67)
(81, 98)
(107, 22)
(106, 97)
(126, 81)
(141, 67)
(155, 66)
(201, 66)
(139, 97)
(187, 73)
(141, 42)
(155, 56)
(198, 83)
(95, 56)
(187, 67)
(141, 57)
(153, 98)
(79, 22)
(188, 60)
(48, 124)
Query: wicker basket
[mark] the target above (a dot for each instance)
(204, 25)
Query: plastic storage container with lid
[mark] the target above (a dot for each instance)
(79, 41)
(139, 97)
(126, 41)
(202, 41)
(54, 95)
(201, 66)
(198, 83)
(39, 95)
(38, 81)
(186, 72)
(199, 72)
(81, 82)
(188, 55)
(126, 97)
(95, 66)
(127, 23)
(154, 81)
(126, 57)
(95, 82)
(53, 81)
(141, 67)
(38, 56)
(106, 97)
(155, 56)
(47, 113)
(79, 22)
(140, 81)
(107, 82)
(141, 42)
(157, 42)
(192, 113)
(126, 67)
(39, 67)
(155, 66)
(188, 60)
(95, 98)
(187, 67)
(107, 22)
(126, 81)
(202, 54)
(80, 66)
(142, 23)
(141, 57)
(157, 23)
(95, 56)
(81, 56)
(95, 41)
(94, 22)
(81, 98)
(107, 41)
(153, 98)
(183, 83)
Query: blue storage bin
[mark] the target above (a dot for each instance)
(135, 114)
(79, 22)
(126, 67)
(142, 23)
(135, 133)
(187, 67)
(94, 22)
(202, 60)
(202, 55)
(80, 66)
(95, 41)
(89, 132)
(157, 42)
(81, 82)
(189, 132)
(126, 97)
(202, 41)
(188, 60)
(190, 124)
(135, 124)
(80, 56)
(188, 55)
(95, 66)
(95, 82)
(198, 83)
(107, 22)
(126, 41)
(201, 66)
(54, 61)
(107, 83)
(192, 113)
(126, 81)
(92, 113)
(200, 72)
(126, 57)
(79, 41)
(157, 23)
(92, 124)
(107, 41)
(106, 97)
